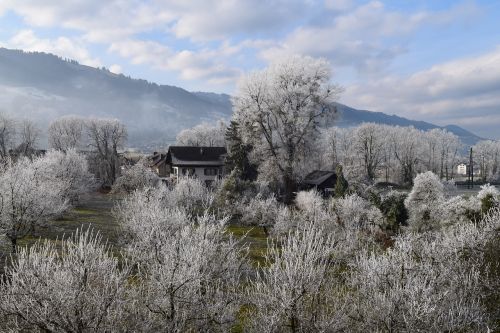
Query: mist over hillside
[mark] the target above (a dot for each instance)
(43, 87)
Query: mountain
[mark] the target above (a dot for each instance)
(43, 87)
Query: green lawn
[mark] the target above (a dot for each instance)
(95, 211)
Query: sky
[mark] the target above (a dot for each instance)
(437, 61)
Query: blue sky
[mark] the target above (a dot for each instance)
(437, 61)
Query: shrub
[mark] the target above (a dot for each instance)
(425, 201)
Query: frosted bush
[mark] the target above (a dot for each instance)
(354, 212)
(427, 282)
(77, 286)
(310, 202)
(189, 194)
(136, 177)
(425, 201)
(488, 190)
(69, 169)
(259, 211)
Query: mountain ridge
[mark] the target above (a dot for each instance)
(44, 86)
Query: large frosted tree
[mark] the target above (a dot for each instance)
(66, 133)
(106, 137)
(279, 109)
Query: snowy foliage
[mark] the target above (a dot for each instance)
(354, 212)
(289, 292)
(488, 191)
(76, 287)
(66, 133)
(205, 135)
(487, 154)
(189, 267)
(259, 211)
(279, 110)
(69, 169)
(425, 282)
(136, 177)
(106, 137)
(29, 197)
(424, 202)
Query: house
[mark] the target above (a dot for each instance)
(322, 181)
(204, 163)
(158, 162)
(463, 169)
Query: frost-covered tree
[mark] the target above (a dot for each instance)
(28, 198)
(425, 201)
(489, 197)
(69, 169)
(370, 142)
(426, 282)
(238, 153)
(190, 269)
(7, 134)
(487, 156)
(354, 212)
(66, 133)
(77, 286)
(106, 137)
(407, 147)
(136, 177)
(29, 134)
(279, 109)
(291, 291)
(205, 135)
(441, 152)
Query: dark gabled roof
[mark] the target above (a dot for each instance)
(178, 154)
(317, 177)
(157, 159)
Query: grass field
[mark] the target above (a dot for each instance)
(95, 211)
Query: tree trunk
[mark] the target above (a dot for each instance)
(289, 188)
(14, 245)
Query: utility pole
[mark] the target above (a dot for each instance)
(471, 170)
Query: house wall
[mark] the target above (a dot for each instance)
(199, 172)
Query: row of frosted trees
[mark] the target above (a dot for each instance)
(99, 139)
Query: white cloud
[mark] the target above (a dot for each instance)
(367, 37)
(463, 91)
(204, 64)
(115, 68)
(62, 46)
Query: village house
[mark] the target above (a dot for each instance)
(203, 163)
(463, 169)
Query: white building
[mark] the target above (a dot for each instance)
(462, 169)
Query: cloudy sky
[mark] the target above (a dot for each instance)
(437, 61)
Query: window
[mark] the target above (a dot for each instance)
(188, 171)
(211, 171)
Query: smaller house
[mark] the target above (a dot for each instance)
(463, 169)
(204, 163)
(158, 162)
(322, 181)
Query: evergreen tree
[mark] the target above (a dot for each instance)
(341, 185)
(237, 156)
